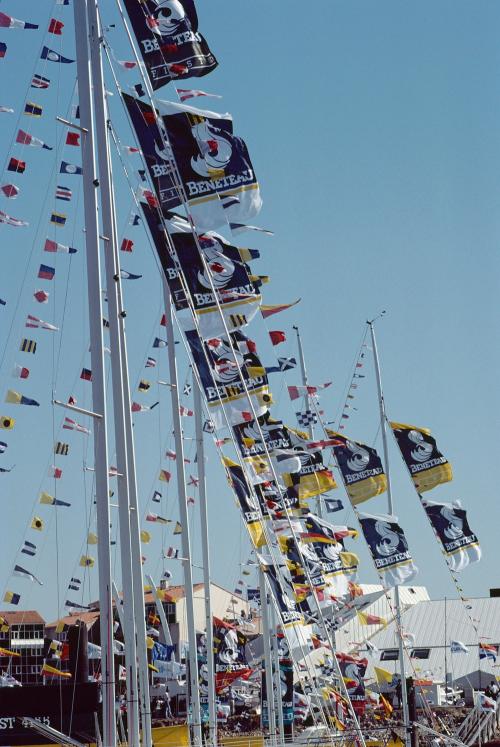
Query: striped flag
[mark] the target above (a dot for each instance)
(54, 246)
(63, 193)
(24, 138)
(7, 22)
(35, 323)
(38, 81)
(72, 425)
(189, 93)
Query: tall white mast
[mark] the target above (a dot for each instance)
(277, 675)
(390, 508)
(202, 492)
(194, 691)
(101, 462)
(268, 660)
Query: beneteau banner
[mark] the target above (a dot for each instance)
(229, 654)
(389, 548)
(353, 671)
(460, 544)
(169, 40)
(213, 163)
(361, 469)
(427, 466)
(246, 500)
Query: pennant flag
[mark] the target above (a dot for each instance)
(488, 651)
(58, 219)
(63, 193)
(367, 619)
(46, 273)
(3, 50)
(449, 521)
(457, 647)
(28, 346)
(14, 398)
(7, 22)
(61, 448)
(361, 469)
(75, 605)
(237, 228)
(36, 323)
(29, 548)
(171, 553)
(49, 500)
(6, 652)
(427, 466)
(20, 571)
(185, 94)
(10, 597)
(48, 671)
(38, 81)
(157, 519)
(6, 110)
(164, 476)
(37, 524)
(294, 392)
(72, 425)
(54, 246)
(32, 110)
(49, 54)
(10, 221)
(127, 245)
(150, 362)
(389, 549)
(178, 528)
(55, 27)
(267, 311)
(16, 165)
(6, 423)
(159, 343)
(129, 276)
(86, 374)
(86, 561)
(277, 337)
(10, 190)
(69, 168)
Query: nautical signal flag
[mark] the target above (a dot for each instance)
(32, 110)
(7, 22)
(10, 597)
(49, 54)
(178, 528)
(144, 385)
(366, 619)
(29, 548)
(73, 138)
(54, 246)
(35, 323)
(127, 245)
(24, 138)
(46, 273)
(159, 343)
(48, 671)
(16, 165)
(86, 561)
(3, 50)
(58, 219)
(61, 448)
(86, 374)
(37, 524)
(24, 573)
(55, 472)
(488, 651)
(267, 311)
(15, 398)
(27, 346)
(39, 81)
(6, 423)
(48, 500)
(3, 447)
(55, 27)
(41, 296)
(129, 275)
(151, 362)
(164, 475)
(69, 168)
(277, 337)
(157, 519)
(92, 538)
(63, 193)
(10, 190)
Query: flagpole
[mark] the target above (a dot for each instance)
(268, 662)
(445, 649)
(202, 492)
(194, 693)
(310, 429)
(390, 508)
(98, 374)
(277, 675)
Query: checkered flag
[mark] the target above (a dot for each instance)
(308, 417)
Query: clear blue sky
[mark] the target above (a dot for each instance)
(374, 133)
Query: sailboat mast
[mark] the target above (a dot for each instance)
(202, 493)
(101, 462)
(390, 508)
(277, 675)
(194, 691)
(268, 662)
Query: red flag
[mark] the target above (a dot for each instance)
(55, 27)
(127, 245)
(73, 138)
(163, 321)
(41, 296)
(149, 117)
(277, 337)
(10, 190)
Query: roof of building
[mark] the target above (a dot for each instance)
(26, 617)
(89, 618)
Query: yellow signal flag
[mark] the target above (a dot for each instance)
(349, 559)
(149, 642)
(153, 668)
(145, 536)
(48, 670)
(6, 422)
(383, 675)
(60, 626)
(14, 398)
(178, 528)
(6, 652)
(388, 709)
(92, 538)
(46, 498)
(366, 619)
(37, 523)
(86, 561)
(256, 371)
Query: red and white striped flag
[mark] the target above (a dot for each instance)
(34, 322)
(300, 391)
(190, 93)
(72, 425)
(184, 412)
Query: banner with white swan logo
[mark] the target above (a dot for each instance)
(460, 544)
(427, 466)
(389, 548)
(361, 468)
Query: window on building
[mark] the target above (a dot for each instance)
(389, 654)
(420, 653)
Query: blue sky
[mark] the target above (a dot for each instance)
(373, 130)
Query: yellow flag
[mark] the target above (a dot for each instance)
(6, 422)
(349, 559)
(60, 626)
(37, 523)
(46, 669)
(153, 668)
(149, 642)
(13, 397)
(145, 536)
(383, 675)
(86, 561)
(46, 498)
(6, 652)
(178, 528)
(92, 538)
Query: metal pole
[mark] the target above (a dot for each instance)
(121, 402)
(98, 374)
(445, 651)
(202, 492)
(390, 508)
(277, 676)
(183, 513)
(268, 661)
(161, 611)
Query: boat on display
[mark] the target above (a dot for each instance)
(129, 668)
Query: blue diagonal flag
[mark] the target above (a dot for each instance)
(49, 54)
